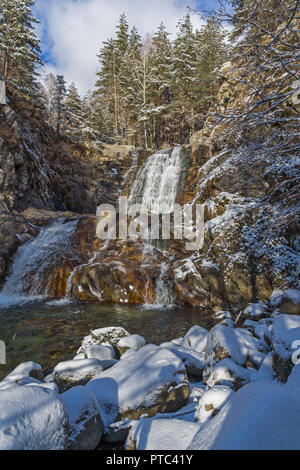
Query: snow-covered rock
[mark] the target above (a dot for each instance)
(294, 377)
(106, 336)
(256, 311)
(32, 418)
(152, 380)
(212, 401)
(196, 338)
(118, 432)
(266, 372)
(134, 342)
(228, 373)
(67, 374)
(285, 341)
(86, 427)
(100, 352)
(26, 369)
(290, 302)
(193, 361)
(161, 434)
(260, 416)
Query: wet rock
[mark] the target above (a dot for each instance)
(86, 427)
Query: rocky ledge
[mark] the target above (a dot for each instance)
(226, 388)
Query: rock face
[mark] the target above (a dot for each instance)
(86, 427)
(32, 418)
(153, 380)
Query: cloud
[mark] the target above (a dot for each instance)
(72, 31)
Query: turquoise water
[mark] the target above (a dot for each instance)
(49, 332)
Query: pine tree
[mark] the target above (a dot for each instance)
(19, 45)
(184, 75)
(59, 103)
(74, 114)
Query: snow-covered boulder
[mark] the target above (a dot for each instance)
(228, 373)
(118, 432)
(86, 427)
(260, 416)
(100, 352)
(106, 336)
(67, 374)
(265, 372)
(294, 377)
(237, 344)
(285, 341)
(134, 342)
(32, 418)
(212, 401)
(161, 434)
(290, 302)
(196, 338)
(152, 380)
(193, 361)
(26, 369)
(256, 311)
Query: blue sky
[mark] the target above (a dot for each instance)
(72, 31)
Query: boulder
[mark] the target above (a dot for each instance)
(227, 373)
(118, 432)
(151, 381)
(32, 418)
(260, 416)
(70, 373)
(290, 302)
(134, 342)
(100, 352)
(193, 361)
(285, 341)
(26, 369)
(161, 434)
(104, 336)
(212, 401)
(196, 338)
(86, 427)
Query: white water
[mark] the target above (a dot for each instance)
(157, 181)
(155, 188)
(31, 260)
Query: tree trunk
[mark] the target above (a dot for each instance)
(6, 65)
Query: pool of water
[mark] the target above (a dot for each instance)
(49, 332)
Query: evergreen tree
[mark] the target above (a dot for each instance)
(59, 102)
(19, 46)
(74, 113)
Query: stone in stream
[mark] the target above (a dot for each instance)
(67, 374)
(86, 427)
(151, 381)
(109, 336)
(32, 418)
(133, 342)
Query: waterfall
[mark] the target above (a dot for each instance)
(155, 188)
(33, 259)
(157, 181)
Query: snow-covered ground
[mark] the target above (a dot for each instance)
(233, 387)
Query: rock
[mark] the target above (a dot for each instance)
(285, 341)
(151, 381)
(196, 338)
(70, 373)
(86, 427)
(266, 372)
(193, 361)
(100, 352)
(26, 369)
(227, 373)
(161, 434)
(212, 401)
(134, 342)
(103, 336)
(32, 418)
(290, 302)
(254, 311)
(250, 421)
(118, 432)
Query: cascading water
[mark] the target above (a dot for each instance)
(33, 259)
(155, 188)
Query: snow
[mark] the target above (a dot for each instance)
(260, 416)
(162, 434)
(106, 336)
(193, 361)
(212, 401)
(294, 377)
(196, 338)
(276, 297)
(83, 408)
(100, 352)
(266, 372)
(135, 383)
(32, 418)
(78, 369)
(255, 310)
(286, 330)
(132, 342)
(293, 295)
(26, 369)
(228, 373)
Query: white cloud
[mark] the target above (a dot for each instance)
(75, 29)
